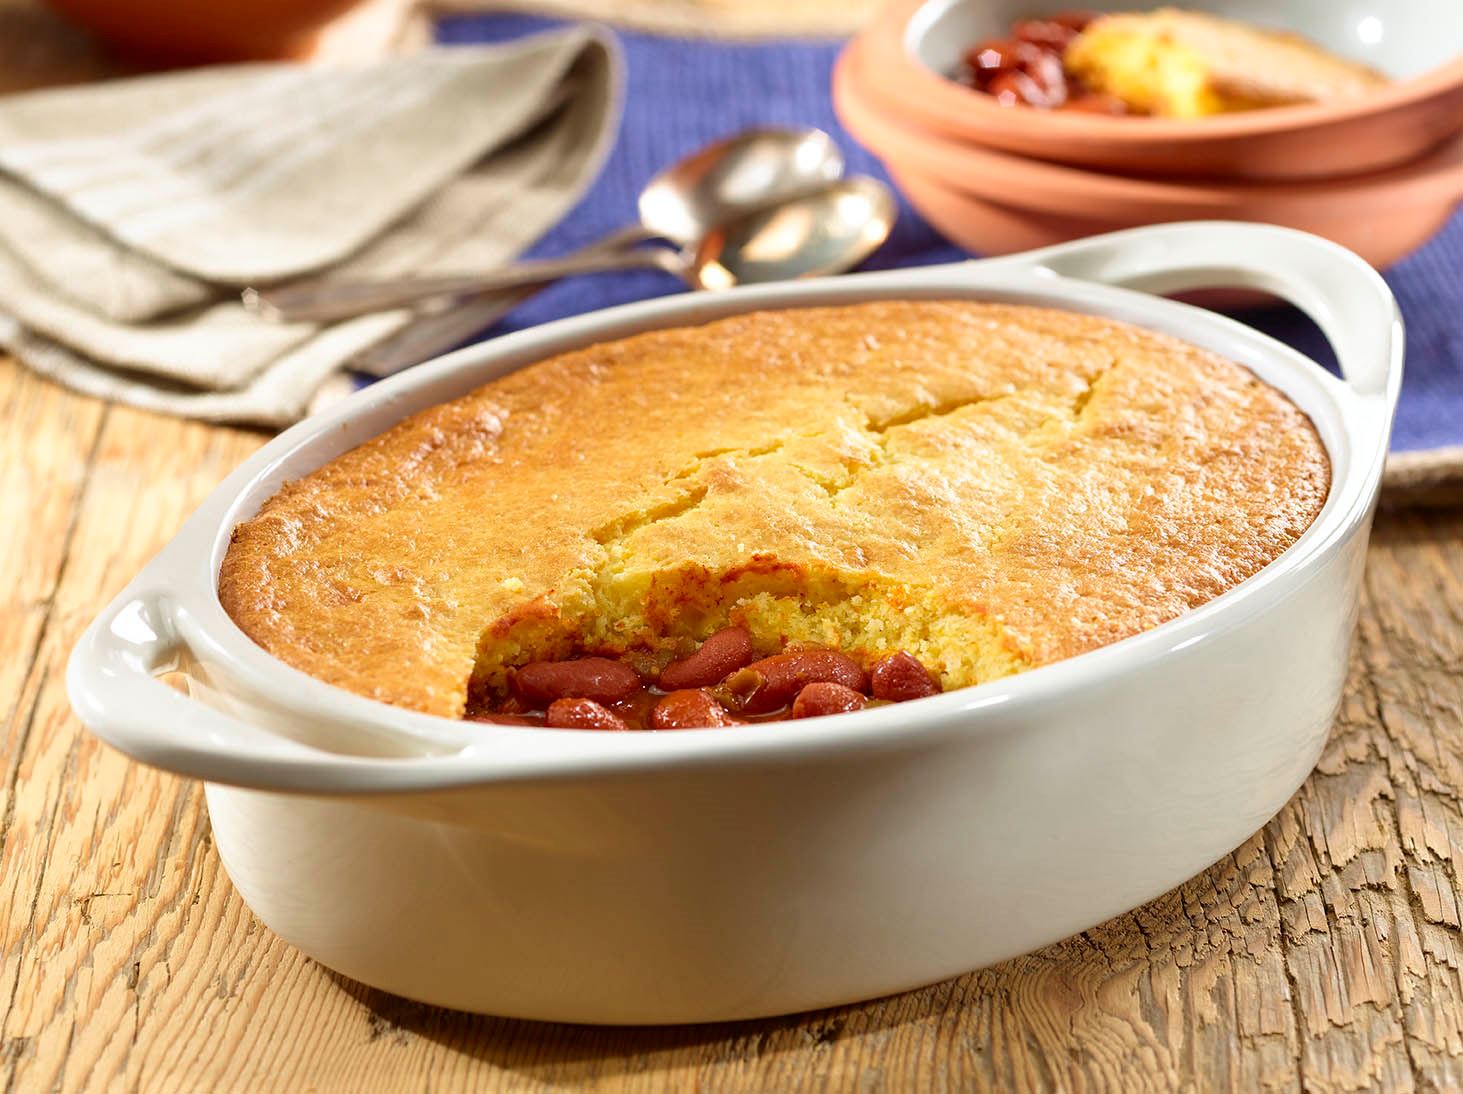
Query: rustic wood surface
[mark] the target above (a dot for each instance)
(1325, 953)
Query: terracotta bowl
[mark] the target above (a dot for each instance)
(188, 32)
(906, 54)
(994, 203)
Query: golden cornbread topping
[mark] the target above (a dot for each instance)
(984, 487)
(1186, 64)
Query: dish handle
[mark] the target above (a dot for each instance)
(1348, 299)
(112, 681)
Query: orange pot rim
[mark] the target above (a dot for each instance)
(1054, 186)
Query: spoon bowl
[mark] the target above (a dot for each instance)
(823, 232)
(723, 179)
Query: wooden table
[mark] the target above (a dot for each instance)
(1324, 953)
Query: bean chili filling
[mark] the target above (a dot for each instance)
(721, 683)
(1026, 69)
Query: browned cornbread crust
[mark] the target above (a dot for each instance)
(999, 486)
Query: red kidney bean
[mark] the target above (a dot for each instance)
(690, 709)
(818, 699)
(720, 655)
(1044, 32)
(1026, 68)
(1045, 70)
(582, 714)
(994, 56)
(1015, 88)
(989, 59)
(786, 674)
(900, 676)
(541, 682)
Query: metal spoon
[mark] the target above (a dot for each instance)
(823, 231)
(680, 204)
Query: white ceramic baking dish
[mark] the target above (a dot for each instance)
(718, 874)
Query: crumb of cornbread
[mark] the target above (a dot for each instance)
(627, 608)
(1185, 64)
(989, 487)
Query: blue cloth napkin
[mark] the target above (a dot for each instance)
(683, 93)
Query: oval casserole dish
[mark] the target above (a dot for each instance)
(720, 874)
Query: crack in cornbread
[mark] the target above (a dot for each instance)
(987, 487)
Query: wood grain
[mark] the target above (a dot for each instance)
(1324, 954)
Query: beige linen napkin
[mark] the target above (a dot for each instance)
(132, 213)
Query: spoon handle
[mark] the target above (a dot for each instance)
(433, 335)
(421, 340)
(326, 301)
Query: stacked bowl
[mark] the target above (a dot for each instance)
(1379, 173)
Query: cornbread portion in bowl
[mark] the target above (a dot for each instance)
(1187, 64)
(986, 487)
